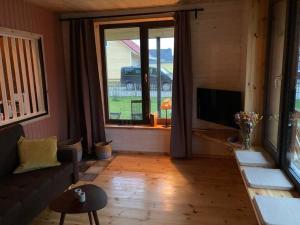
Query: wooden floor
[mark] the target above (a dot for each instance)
(153, 190)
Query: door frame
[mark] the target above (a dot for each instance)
(289, 87)
(273, 150)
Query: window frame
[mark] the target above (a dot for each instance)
(288, 99)
(143, 28)
(12, 33)
(275, 152)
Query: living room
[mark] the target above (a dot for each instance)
(161, 112)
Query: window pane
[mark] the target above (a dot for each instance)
(276, 61)
(294, 150)
(294, 154)
(123, 67)
(161, 51)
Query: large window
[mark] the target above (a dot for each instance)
(22, 82)
(291, 122)
(282, 107)
(276, 62)
(138, 67)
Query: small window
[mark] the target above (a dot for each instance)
(22, 80)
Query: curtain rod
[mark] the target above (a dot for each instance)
(136, 14)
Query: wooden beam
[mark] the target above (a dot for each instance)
(10, 78)
(37, 76)
(17, 76)
(24, 76)
(30, 72)
(256, 60)
(3, 90)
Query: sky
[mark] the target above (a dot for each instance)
(165, 43)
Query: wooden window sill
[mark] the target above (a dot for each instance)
(142, 127)
(266, 192)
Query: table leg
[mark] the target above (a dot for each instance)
(96, 218)
(62, 219)
(90, 218)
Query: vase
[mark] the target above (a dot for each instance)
(246, 139)
(246, 131)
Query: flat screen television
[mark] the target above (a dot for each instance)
(218, 106)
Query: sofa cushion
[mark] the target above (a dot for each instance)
(9, 152)
(37, 154)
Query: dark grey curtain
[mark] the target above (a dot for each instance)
(182, 94)
(85, 114)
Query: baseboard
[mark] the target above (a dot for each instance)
(213, 156)
(168, 154)
(140, 152)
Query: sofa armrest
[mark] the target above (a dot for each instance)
(69, 155)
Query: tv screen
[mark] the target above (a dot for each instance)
(218, 106)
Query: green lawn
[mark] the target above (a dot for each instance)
(123, 105)
(297, 106)
(168, 66)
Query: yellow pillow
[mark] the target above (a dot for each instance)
(37, 154)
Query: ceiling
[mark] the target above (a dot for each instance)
(103, 5)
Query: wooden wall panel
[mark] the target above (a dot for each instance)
(257, 24)
(17, 14)
(229, 43)
(218, 44)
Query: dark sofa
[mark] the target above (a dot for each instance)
(24, 196)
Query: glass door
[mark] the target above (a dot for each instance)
(137, 62)
(291, 138)
(276, 62)
(161, 51)
(123, 74)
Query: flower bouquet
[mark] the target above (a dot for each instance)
(247, 122)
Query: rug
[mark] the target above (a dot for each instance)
(90, 169)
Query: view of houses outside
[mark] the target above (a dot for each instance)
(123, 66)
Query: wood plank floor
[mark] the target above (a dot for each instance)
(154, 190)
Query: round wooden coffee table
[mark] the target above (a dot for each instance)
(66, 203)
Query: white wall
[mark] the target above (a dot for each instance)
(139, 139)
(118, 56)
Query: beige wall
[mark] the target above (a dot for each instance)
(135, 59)
(117, 55)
